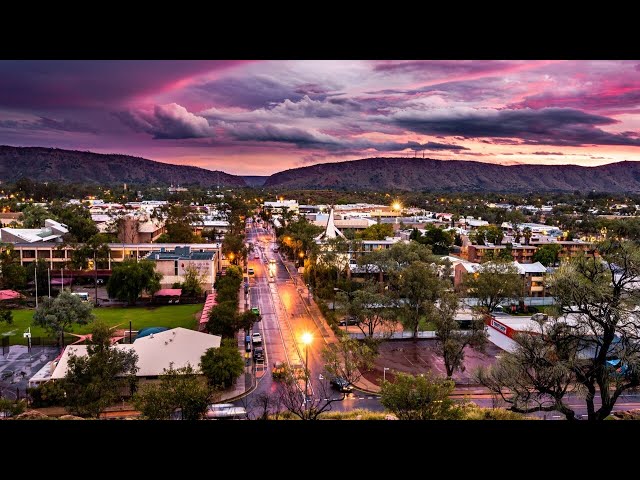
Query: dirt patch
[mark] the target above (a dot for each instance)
(415, 357)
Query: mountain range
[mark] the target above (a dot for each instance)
(70, 166)
(385, 174)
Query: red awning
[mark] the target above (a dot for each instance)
(169, 292)
(9, 295)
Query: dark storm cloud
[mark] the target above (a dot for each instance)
(53, 83)
(257, 91)
(550, 126)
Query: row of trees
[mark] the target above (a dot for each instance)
(224, 319)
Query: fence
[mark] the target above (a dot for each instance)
(394, 335)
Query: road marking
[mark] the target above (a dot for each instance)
(370, 398)
(360, 398)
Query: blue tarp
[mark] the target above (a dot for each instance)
(150, 330)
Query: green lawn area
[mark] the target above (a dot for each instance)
(169, 316)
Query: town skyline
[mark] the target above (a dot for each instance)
(260, 117)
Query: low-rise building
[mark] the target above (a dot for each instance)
(173, 264)
(480, 253)
(51, 232)
(177, 347)
(532, 275)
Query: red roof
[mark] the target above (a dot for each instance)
(208, 304)
(169, 292)
(9, 294)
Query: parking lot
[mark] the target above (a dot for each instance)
(419, 356)
(18, 365)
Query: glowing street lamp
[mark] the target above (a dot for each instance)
(307, 338)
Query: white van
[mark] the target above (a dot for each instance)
(84, 296)
(225, 410)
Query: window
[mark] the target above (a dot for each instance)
(175, 267)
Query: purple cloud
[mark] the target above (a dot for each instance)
(170, 121)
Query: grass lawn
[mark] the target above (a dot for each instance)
(169, 316)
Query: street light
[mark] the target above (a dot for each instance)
(384, 374)
(307, 338)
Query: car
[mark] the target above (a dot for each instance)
(348, 321)
(258, 354)
(256, 337)
(255, 310)
(250, 271)
(225, 410)
(256, 256)
(341, 384)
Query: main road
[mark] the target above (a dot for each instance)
(287, 312)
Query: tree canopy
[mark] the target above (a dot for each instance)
(57, 315)
(222, 365)
(589, 346)
(98, 379)
(130, 278)
(494, 283)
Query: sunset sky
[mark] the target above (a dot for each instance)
(259, 117)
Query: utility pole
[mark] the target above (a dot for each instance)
(95, 275)
(49, 280)
(35, 277)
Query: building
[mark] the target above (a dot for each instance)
(11, 219)
(280, 205)
(536, 228)
(480, 253)
(353, 224)
(58, 255)
(51, 232)
(532, 275)
(156, 352)
(173, 264)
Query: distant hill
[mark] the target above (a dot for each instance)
(455, 175)
(254, 181)
(52, 164)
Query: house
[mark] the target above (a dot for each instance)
(280, 205)
(51, 232)
(156, 352)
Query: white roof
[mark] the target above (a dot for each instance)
(524, 268)
(32, 235)
(179, 346)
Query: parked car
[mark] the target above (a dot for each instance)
(255, 310)
(250, 271)
(256, 337)
(257, 256)
(348, 321)
(225, 410)
(258, 354)
(341, 384)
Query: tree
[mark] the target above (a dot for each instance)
(78, 219)
(494, 283)
(418, 287)
(233, 248)
(379, 231)
(38, 272)
(179, 221)
(222, 365)
(130, 278)
(372, 309)
(96, 380)
(59, 314)
(223, 319)
(527, 234)
(6, 315)
(450, 340)
(33, 216)
(192, 285)
(420, 398)
(438, 239)
(345, 359)
(547, 254)
(589, 346)
(487, 233)
(181, 389)
(14, 275)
